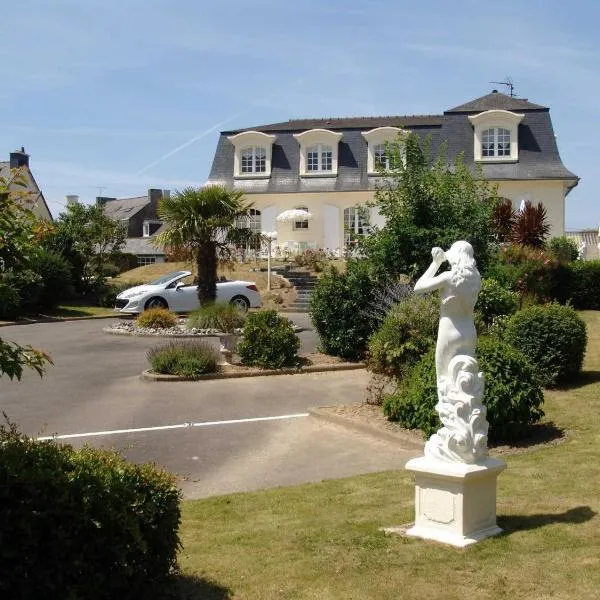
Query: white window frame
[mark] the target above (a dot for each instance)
(320, 138)
(256, 140)
(303, 224)
(496, 119)
(324, 157)
(258, 158)
(357, 222)
(145, 260)
(379, 137)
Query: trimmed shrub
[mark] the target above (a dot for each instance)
(553, 337)
(269, 341)
(157, 318)
(10, 302)
(408, 332)
(28, 284)
(494, 301)
(83, 523)
(106, 294)
(563, 249)
(222, 317)
(55, 273)
(125, 261)
(513, 395)
(110, 270)
(585, 284)
(340, 311)
(183, 358)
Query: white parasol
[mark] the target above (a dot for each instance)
(294, 214)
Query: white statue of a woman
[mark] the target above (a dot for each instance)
(459, 382)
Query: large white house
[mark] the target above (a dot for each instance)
(329, 166)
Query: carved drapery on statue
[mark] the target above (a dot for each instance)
(460, 384)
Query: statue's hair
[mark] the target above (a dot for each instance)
(464, 269)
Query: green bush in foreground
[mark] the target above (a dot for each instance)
(57, 282)
(157, 318)
(407, 332)
(222, 317)
(83, 523)
(553, 337)
(513, 396)
(269, 341)
(494, 301)
(185, 359)
(585, 284)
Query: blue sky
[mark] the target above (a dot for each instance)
(102, 93)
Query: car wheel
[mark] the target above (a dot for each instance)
(156, 303)
(241, 303)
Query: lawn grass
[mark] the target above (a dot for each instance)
(322, 541)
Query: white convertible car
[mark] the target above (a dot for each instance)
(170, 291)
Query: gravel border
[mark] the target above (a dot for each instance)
(148, 375)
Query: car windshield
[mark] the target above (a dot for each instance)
(168, 277)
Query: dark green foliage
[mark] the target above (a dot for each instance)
(10, 302)
(494, 301)
(563, 249)
(157, 318)
(28, 284)
(83, 523)
(408, 331)
(585, 284)
(340, 311)
(106, 293)
(110, 270)
(513, 396)
(426, 203)
(124, 260)
(222, 317)
(183, 358)
(55, 273)
(269, 341)
(553, 337)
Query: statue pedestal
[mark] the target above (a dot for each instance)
(455, 503)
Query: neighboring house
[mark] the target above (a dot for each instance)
(591, 241)
(330, 166)
(30, 196)
(140, 216)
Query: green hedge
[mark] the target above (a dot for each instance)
(585, 285)
(513, 395)
(553, 337)
(57, 284)
(340, 311)
(10, 302)
(269, 341)
(494, 300)
(83, 523)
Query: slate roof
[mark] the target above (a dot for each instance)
(142, 246)
(31, 185)
(538, 153)
(125, 208)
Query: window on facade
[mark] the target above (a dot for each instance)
(254, 160)
(356, 223)
(301, 224)
(381, 158)
(495, 142)
(319, 158)
(145, 260)
(146, 230)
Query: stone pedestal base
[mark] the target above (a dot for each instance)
(455, 503)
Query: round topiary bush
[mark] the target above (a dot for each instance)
(183, 358)
(495, 300)
(340, 311)
(157, 318)
(513, 396)
(553, 337)
(407, 332)
(269, 341)
(222, 317)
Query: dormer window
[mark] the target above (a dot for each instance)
(318, 152)
(495, 136)
(378, 152)
(252, 156)
(254, 159)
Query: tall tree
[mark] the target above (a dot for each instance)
(204, 222)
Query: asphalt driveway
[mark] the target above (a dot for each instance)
(219, 436)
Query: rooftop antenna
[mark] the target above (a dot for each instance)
(508, 82)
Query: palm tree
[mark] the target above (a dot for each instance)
(203, 222)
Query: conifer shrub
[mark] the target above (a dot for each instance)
(157, 318)
(553, 337)
(513, 395)
(269, 341)
(83, 523)
(183, 358)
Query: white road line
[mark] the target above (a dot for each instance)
(178, 426)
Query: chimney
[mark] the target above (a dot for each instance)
(154, 195)
(102, 200)
(71, 199)
(19, 158)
